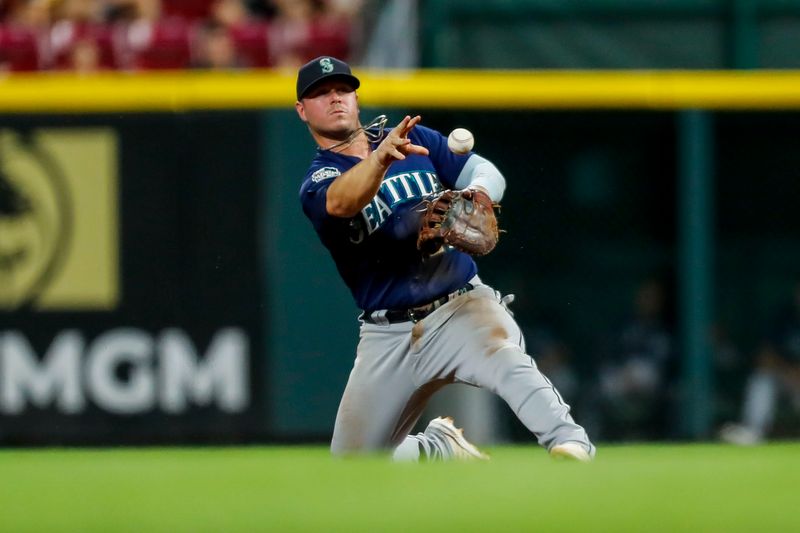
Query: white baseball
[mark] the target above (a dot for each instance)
(460, 141)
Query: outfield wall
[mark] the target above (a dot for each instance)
(160, 283)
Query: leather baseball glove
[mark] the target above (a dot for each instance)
(463, 219)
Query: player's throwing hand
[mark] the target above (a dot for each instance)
(397, 145)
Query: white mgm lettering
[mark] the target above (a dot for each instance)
(165, 372)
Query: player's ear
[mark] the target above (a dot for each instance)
(301, 111)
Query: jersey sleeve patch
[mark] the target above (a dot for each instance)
(325, 173)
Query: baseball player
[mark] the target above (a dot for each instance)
(776, 374)
(428, 320)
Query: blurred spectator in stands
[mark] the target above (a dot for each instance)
(636, 374)
(291, 31)
(335, 31)
(348, 9)
(88, 35)
(776, 373)
(80, 11)
(80, 40)
(119, 11)
(23, 35)
(263, 9)
(148, 10)
(248, 35)
(215, 48)
(153, 41)
(84, 57)
(305, 29)
(358, 19)
(230, 13)
(33, 14)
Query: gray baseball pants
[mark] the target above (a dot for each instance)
(472, 339)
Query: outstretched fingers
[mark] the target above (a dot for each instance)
(397, 145)
(411, 123)
(403, 129)
(400, 129)
(406, 125)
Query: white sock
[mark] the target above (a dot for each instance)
(408, 451)
(422, 446)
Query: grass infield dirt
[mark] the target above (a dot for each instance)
(628, 488)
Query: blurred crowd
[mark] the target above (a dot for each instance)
(95, 35)
(632, 389)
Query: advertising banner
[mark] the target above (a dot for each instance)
(129, 283)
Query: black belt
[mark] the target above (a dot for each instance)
(413, 314)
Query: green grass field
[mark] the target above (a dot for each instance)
(628, 488)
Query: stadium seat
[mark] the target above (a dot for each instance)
(20, 49)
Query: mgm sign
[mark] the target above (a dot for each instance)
(125, 371)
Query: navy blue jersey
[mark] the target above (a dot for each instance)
(376, 251)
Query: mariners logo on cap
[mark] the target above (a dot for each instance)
(326, 65)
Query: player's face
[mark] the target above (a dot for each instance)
(330, 109)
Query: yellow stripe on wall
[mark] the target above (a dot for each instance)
(183, 91)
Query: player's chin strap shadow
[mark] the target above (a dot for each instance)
(373, 131)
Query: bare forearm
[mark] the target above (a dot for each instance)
(354, 189)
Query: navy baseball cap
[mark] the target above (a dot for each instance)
(323, 68)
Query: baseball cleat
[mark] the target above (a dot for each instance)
(460, 446)
(570, 450)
